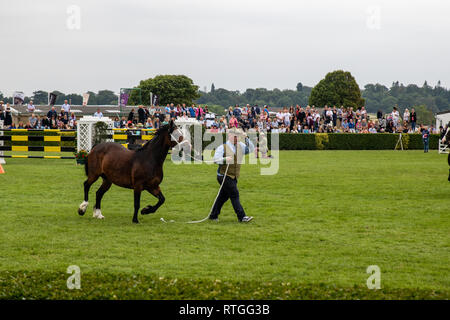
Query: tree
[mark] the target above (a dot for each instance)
(92, 98)
(424, 115)
(74, 99)
(40, 97)
(284, 101)
(175, 89)
(60, 97)
(259, 96)
(5, 99)
(107, 97)
(339, 88)
(213, 88)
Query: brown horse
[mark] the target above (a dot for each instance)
(140, 169)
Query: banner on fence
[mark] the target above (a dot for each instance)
(52, 99)
(124, 99)
(155, 100)
(85, 98)
(18, 97)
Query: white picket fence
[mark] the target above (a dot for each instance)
(443, 148)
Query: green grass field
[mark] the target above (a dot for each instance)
(319, 223)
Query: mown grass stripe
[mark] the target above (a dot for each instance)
(52, 285)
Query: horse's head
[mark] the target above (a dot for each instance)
(176, 135)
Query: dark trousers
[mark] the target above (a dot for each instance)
(426, 143)
(229, 191)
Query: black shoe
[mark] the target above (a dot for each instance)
(246, 219)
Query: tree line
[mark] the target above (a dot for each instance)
(380, 97)
(258, 96)
(374, 97)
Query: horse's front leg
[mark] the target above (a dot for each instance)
(99, 195)
(137, 204)
(87, 185)
(152, 209)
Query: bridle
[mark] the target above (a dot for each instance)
(176, 138)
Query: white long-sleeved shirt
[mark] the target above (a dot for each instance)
(220, 150)
(66, 107)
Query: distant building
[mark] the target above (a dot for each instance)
(442, 118)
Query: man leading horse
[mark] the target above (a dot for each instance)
(229, 157)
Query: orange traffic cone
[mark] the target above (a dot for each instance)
(1, 169)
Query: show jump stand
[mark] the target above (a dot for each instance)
(86, 131)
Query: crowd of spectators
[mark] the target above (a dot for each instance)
(287, 120)
(328, 120)
(63, 120)
(155, 117)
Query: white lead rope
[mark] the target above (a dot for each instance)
(210, 211)
(220, 189)
(192, 158)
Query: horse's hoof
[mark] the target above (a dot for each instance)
(135, 221)
(148, 210)
(98, 214)
(82, 208)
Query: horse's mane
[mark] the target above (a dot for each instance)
(156, 138)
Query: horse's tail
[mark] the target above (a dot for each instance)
(86, 169)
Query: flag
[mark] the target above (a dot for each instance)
(18, 97)
(155, 101)
(124, 99)
(85, 98)
(52, 99)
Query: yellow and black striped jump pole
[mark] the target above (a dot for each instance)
(19, 140)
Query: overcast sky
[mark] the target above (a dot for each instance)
(236, 44)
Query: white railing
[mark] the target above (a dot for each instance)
(85, 131)
(443, 148)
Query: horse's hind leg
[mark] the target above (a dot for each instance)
(98, 199)
(87, 185)
(137, 204)
(151, 209)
